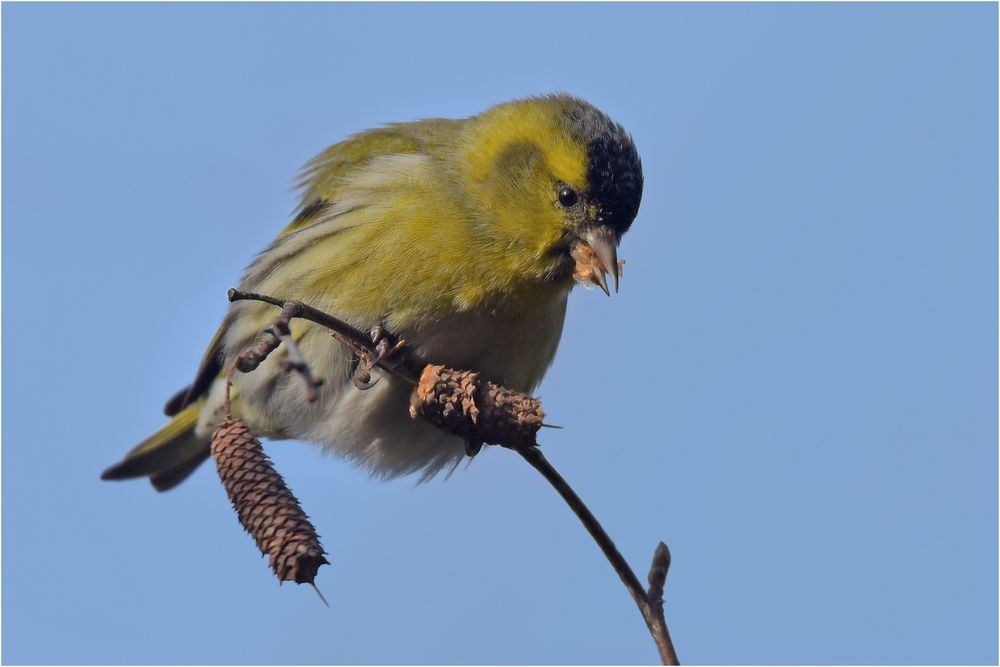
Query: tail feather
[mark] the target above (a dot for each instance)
(167, 456)
(168, 479)
(177, 402)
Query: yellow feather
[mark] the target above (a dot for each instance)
(182, 421)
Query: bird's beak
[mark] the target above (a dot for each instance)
(596, 253)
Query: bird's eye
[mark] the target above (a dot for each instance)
(567, 196)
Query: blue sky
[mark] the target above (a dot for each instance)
(804, 404)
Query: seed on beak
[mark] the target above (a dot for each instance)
(596, 255)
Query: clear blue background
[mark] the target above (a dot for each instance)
(796, 388)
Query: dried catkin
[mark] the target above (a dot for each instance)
(265, 506)
(478, 410)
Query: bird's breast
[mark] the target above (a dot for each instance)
(510, 342)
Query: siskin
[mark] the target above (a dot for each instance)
(463, 237)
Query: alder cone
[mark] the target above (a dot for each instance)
(264, 504)
(478, 410)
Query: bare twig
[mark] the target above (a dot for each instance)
(408, 368)
(296, 362)
(650, 608)
(276, 334)
(402, 367)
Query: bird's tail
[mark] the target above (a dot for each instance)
(168, 456)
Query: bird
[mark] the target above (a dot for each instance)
(463, 237)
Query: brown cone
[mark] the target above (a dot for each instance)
(265, 506)
(478, 410)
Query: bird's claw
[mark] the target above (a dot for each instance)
(386, 350)
(386, 353)
(363, 378)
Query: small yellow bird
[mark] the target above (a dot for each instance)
(462, 237)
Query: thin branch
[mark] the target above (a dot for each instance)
(651, 608)
(295, 361)
(408, 368)
(403, 368)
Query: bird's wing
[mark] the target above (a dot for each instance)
(208, 370)
(321, 180)
(323, 183)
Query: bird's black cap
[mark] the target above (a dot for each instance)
(614, 171)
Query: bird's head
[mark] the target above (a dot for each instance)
(556, 183)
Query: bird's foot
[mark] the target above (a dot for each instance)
(386, 354)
